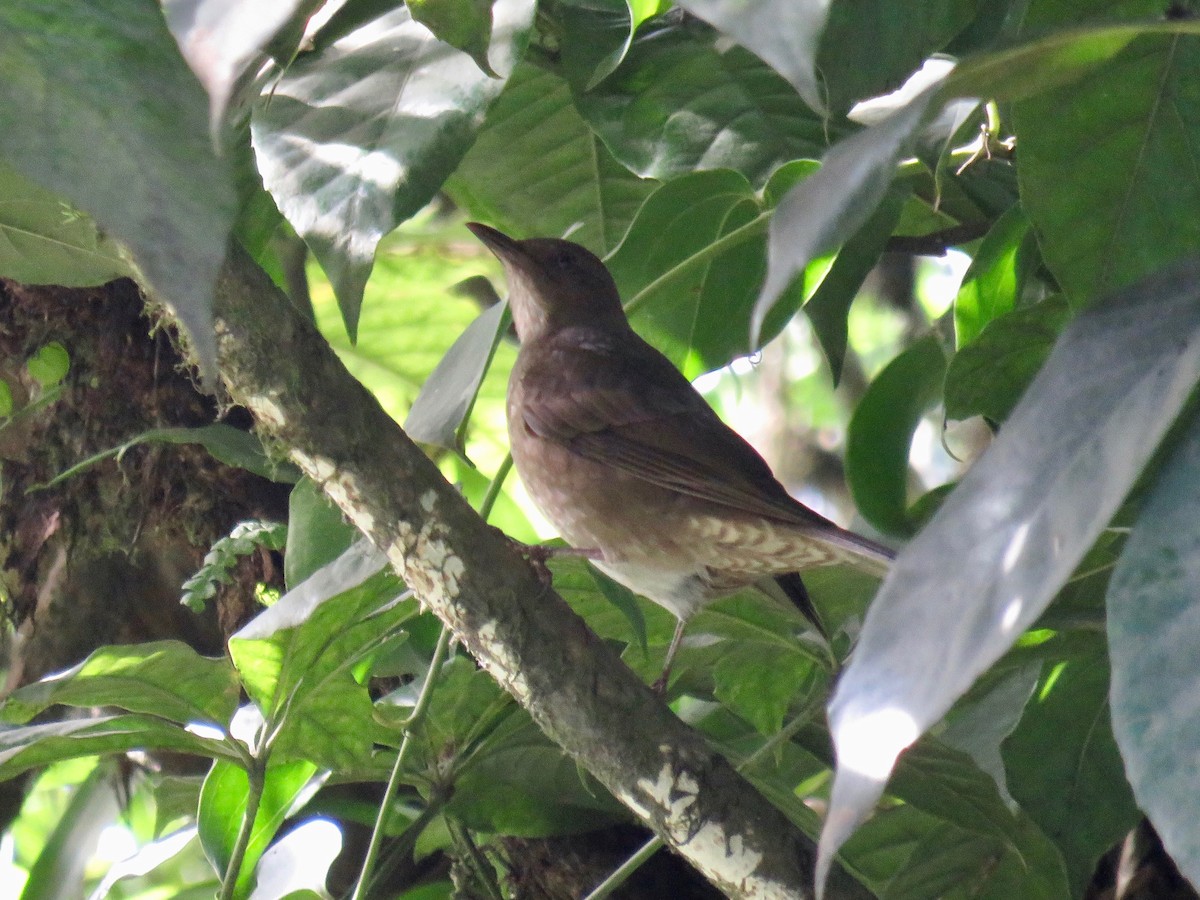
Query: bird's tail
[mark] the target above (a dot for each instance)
(790, 588)
(863, 553)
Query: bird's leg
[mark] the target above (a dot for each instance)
(660, 685)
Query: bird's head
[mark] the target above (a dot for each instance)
(553, 284)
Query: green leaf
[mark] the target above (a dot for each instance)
(57, 872)
(32, 746)
(610, 609)
(829, 207)
(954, 835)
(402, 343)
(686, 297)
(44, 241)
(463, 24)
(317, 534)
(954, 862)
(824, 211)
(6, 399)
(1009, 536)
(223, 808)
(783, 33)
(869, 47)
(121, 133)
(49, 365)
(947, 783)
(223, 41)
(988, 376)
(302, 661)
(760, 681)
(519, 783)
(881, 431)
(667, 110)
(360, 135)
(992, 285)
(227, 444)
(595, 35)
(1110, 173)
(1152, 631)
(537, 170)
(1064, 768)
(444, 405)
(710, 659)
(829, 306)
(167, 679)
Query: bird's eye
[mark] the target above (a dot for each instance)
(564, 260)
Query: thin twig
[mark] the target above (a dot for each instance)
(389, 794)
(256, 779)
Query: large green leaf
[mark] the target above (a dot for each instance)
(59, 868)
(44, 241)
(828, 208)
(530, 788)
(464, 24)
(1152, 630)
(411, 318)
(167, 679)
(1008, 537)
(442, 408)
(1110, 171)
(881, 431)
(828, 309)
(537, 170)
(993, 284)
(678, 103)
(1064, 769)
(987, 377)
(693, 313)
(121, 133)
(869, 47)
(783, 33)
(825, 210)
(224, 40)
(302, 661)
(317, 534)
(223, 809)
(595, 36)
(953, 862)
(31, 746)
(360, 135)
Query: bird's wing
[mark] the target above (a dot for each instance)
(622, 403)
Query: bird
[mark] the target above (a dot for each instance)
(628, 461)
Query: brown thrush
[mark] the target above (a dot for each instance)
(625, 457)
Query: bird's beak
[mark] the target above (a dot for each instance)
(506, 249)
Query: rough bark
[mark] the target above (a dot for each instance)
(276, 364)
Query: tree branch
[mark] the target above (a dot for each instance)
(936, 243)
(276, 364)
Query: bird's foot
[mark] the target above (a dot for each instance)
(539, 554)
(544, 552)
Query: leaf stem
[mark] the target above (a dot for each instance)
(256, 777)
(389, 794)
(627, 868)
(493, 491)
